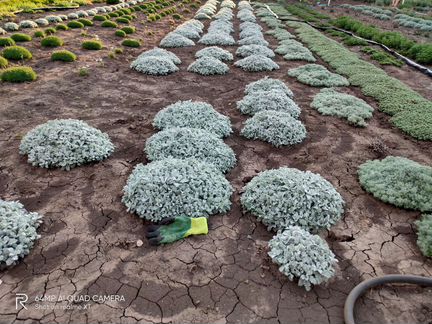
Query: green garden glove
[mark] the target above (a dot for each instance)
(175, 228)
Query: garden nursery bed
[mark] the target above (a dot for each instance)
(308, 158)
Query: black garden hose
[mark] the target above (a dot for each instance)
(362, 287)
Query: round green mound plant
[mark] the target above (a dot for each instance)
(3, 62)
(154, 65)
(208, 65)
(120, 33)
(52, 41)
(85, 22)
(216, 52)
(18, 232)
(50, 31)
(302, 255)
(39, 34)
(109, 24)
(75, 24)
(333, 103)
(129, 29)
(398, 181)
(268, 84)
(289, 197)
(65, 143)
(122, 20)
(99, 18)
(268, 100)
(318, 76)
(64, 56)
(424, 233)
(6, 41)
(173, 187)
(193, 114)
(276, 127)
(61, 27)
(19, 37)
(184, 143)
(163, 53)
(93, 45)
(256, 63)
(18, 74)
(131, 43)
(17, 53)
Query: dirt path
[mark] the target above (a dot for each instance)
(88, 239)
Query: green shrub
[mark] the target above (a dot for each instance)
(18, 74)
(122, 20)
(197, 189)
(129, 29)
(17, 53)
(92, 45)
(85, 22)
(382, 57)
(333, 103)
(61, 27)
(100, 18)
(398, 181)
(120, 33)
(302, 255)
(6, 41)
(128, 17)
(71, 143)
(177, 17)
(109, 24)
(39, 34)
(424, 232)
(353, 41)
(64, 56)
(50, 31)
(184, 143)
(317, 76)
(131, 43)
(3, 62)
(111, 2)
(52, 41)
(278, 199)
(113, 14)
(75, 24)
(18, 37)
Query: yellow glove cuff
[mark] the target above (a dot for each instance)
(198, 226)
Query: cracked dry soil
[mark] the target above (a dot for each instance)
(88, 243)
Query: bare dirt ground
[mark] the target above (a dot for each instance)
(88, 243)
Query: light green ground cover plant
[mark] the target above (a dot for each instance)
(18, 74)
(276, 100)
(424, 232)
(398, 181)
(289, 197)
(184, 143)
(275, 127)
(18, 232)
(317, 76)
(193, 114)
(65, 143)
(247, 50)
(268, 84)
(208, 65)
(256, 63)
(154, 65)
(302, 255)
(411, 112)
(173, 187)
(332, 103)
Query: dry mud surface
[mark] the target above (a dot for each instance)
(88, 243)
